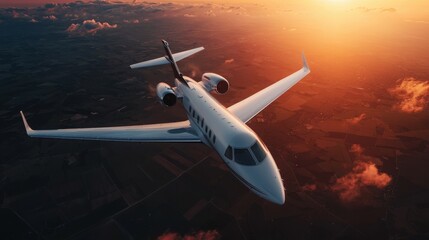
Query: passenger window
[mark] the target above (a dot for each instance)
(202, 122)
(210, 133)
(206, 128)
(228, 153)
(258, 151)
(193, 113)
(198, 118)
(242, 156)
(214, 138)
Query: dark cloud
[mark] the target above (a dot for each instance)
(50, 17)
(19, 14)
(135, 21)
(50, 5)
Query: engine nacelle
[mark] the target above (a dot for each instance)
(166, 94)
(215, 82)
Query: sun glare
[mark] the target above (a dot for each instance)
(338, 2)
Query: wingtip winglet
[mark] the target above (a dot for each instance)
(27, 127)
(304, 62)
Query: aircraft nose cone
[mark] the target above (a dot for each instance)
(273, 184)
(265, 180)
(277, 194)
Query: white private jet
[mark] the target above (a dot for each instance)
(223, 129)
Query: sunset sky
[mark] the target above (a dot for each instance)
(410, 10)
(411, 4)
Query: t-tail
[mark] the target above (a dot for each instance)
(171, 59)
(177, 74)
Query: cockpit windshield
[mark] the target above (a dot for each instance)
(243, 156)
(258, 151)
(247, 156)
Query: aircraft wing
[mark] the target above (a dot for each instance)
(163, 132)
(249, 107)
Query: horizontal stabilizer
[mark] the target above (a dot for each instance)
(163, 60)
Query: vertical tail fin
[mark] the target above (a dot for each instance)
(169, 56)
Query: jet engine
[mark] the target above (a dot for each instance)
(215, 82)
(166, 94)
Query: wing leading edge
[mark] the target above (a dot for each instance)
(164, 132)
(249, 107)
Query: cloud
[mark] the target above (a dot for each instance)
(364, 175)
(417, 21)
(390, 10)
(309, 187)
(189, 15)
(374, 10)
(356, 120)
(135, 21)
(412, 94)
(50, 5)
(73, 27)
(20, 14)
(210, 13)
(363, 9)
(351, 186)
(357, 149)
(89, 27)
(50, 17)
(229, 61)
(201, 235)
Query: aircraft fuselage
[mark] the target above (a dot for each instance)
(248, 158)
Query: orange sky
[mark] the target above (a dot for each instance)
(420, 5)
(408, 8)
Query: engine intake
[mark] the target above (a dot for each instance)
(166, 94)
(215, 82)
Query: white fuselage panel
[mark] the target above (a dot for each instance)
(218, 128)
